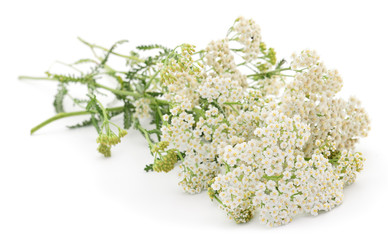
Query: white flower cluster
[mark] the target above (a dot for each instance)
(221, 60)
(311, 94)
(249, 35)
(142, 108)
(203, 140)
(194, 139)
(219, 57)
(305, 59)
(181, 77)
(275, 144)
(346, 163)
(221, 89)
(271, 86)
(270, 174)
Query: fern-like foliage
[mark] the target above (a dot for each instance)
(280, 64)
(153, 46)
(128, 115)
(68, 78)
(58, 99)
(140, 68)
(94, 107)
(149, 168)
(105, 59)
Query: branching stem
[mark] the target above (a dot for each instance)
(70, 114)
(92, 46)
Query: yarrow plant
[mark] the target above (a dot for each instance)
(262, 136)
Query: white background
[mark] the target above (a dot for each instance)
(54, 185)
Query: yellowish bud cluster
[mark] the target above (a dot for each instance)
(242, 215)
(108, 140)
(210, 191)
(272, 56)
(104, 149)
(166, 163)
(161, 146)
(175, 67)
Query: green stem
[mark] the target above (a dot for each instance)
(36, 78)
(69, 114)
(115, 109)
(107, 50)
(115, 91)
(158, 110)
(146, 134)
(180, 155)
(106, 119)
(56, 117)
(234, 109)
(227, 167)
(119, 92)
(218, 200)
(274, 178)
(273, 71)
(285, 75)
(132, 94)
(151, 80)
(233, 103)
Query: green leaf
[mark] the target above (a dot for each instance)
(128, 115)
(156, 117)
(84, 60)
(280, 64)
(110, 51)
(139, 88)
(155, 131)
(95, 123)
(114, 113)
(78, 101)
(153, 46)
(93, 105)
(155, 94)
(58, 100)
(149, 168)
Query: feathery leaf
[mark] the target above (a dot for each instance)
(128, 115)
(58, 100)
